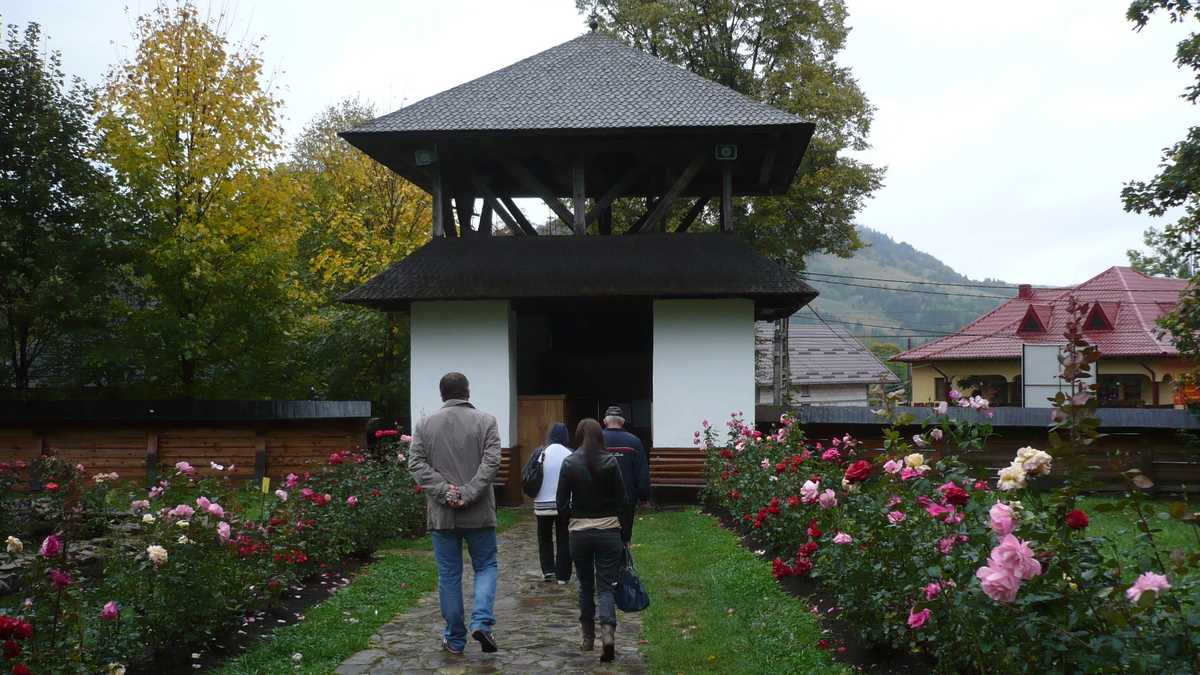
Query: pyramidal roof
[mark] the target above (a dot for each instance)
(591, 82)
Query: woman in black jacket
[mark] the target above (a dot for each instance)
(592, 493)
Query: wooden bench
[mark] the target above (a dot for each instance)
(677, 467)
(502, 473)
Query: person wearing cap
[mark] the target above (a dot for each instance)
(635, 466)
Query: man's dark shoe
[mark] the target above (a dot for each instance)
(486, 640)
(450, 650)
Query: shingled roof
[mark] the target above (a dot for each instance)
(706, 265)
(591, 82)
(1132, 303)
(818, 354)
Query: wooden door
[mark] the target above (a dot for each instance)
(535, 415)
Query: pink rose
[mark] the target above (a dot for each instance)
(808, 491)
(405, 438)
(182, 511)
(51, 546)
(111, 611)
(59, 578)
(941, 408)
(936, 435)
(139, 504)
(281, 495)
(291, 479)
(842, 538)
(893, 466)
(919, 441)
(1001, 515)
(1148, 581)
(909, 473)
(827, 499)
(185, 468)
(955, 394)
(215, 510)
(223, 531)
(917, 619)
(896, 517)
(932, 590)
(938, 511)
(998, 583)
(352, 501)
(203, 503)
(1015, 556)
(831, 455)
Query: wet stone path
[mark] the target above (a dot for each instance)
(537, 626)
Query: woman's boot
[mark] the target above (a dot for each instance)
(608, 636)
(589, 636)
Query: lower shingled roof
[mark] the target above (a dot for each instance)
(704, 265)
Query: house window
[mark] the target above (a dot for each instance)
(805, 391)
(1097, 319)
(1032, 323)
(1120, 391)
(941, 390)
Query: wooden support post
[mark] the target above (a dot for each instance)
(485, 219)
(151, 456)
(464, 206)
(690, 216)
(260, 455)
(604, 203)
(439, 213)
(681, 182)
(579, 194)
(518, 215)
(726, 198)
(448, 215)
(493, 205)
(604, 220)
(536, 186)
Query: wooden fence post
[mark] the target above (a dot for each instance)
(260, 455)
(151, 456)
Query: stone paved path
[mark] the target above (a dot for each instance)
(536, 626)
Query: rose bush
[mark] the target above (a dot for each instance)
(983, 573)
(192, 554)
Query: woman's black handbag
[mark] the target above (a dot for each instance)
(531, 475)
(631, 595)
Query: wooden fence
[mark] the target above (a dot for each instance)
(134, 438)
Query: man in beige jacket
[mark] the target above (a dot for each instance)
(454, 456)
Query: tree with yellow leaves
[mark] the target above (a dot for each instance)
(359, 217)
(192, 135)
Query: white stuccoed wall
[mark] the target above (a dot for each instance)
(703, 366)
(475, 338)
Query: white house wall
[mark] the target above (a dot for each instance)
(820, 394)
(474, 338)
(703, 366)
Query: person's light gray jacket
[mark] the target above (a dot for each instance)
(457, 445)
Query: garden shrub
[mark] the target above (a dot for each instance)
(191, 555)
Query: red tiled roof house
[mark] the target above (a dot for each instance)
(1139, 365)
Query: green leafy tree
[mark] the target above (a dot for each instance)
(783, 53)
(1165, 257)
(193, 137)
(1177, 184)
(59, 230)
(359, 217)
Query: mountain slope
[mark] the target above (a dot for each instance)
(894, 311)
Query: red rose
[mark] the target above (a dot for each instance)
(1077, 520)
(803, 566)
(956, 495)
(11, 650)
(807, 550)
(858, 471)
(793, 501)
(21, 669)
(814, 530)
(51, 487)
(781, 467)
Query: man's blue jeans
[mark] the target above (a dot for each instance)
(447, 550)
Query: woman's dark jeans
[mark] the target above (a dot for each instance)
(554, 547)
(597, 555)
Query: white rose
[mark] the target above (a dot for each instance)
(915, 460)
(14, 545)
(148, 518)
(183, 539)
(1012, 477)
(157, 554)
(183, 523)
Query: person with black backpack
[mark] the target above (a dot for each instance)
(540, 481)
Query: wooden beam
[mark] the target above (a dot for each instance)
(536, 186)
(485, 220)
(439, 214)
(519, 216)
(641, 221)
(579, 197)
(604, 219)
(604, 203)
(489, 200)
(764, 174)
(448, 215)
(690, 216)
(681, 182)
(464, 206)
(726, 197)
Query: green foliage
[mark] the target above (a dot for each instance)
(714, 608)
(783, 54)
(60, 228)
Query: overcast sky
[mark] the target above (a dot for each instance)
(1007, 128)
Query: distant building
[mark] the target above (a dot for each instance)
(1139, 365)
(822, 365)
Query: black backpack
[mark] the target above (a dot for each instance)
(531, 475)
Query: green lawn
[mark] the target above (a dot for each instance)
(1121, 526)
(337, 628)
(714, 605)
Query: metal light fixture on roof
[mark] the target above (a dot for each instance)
(726, 152)
(425, 156)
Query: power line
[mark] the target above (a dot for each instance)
(1006, 287)
(932, 332)
(967, 295)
